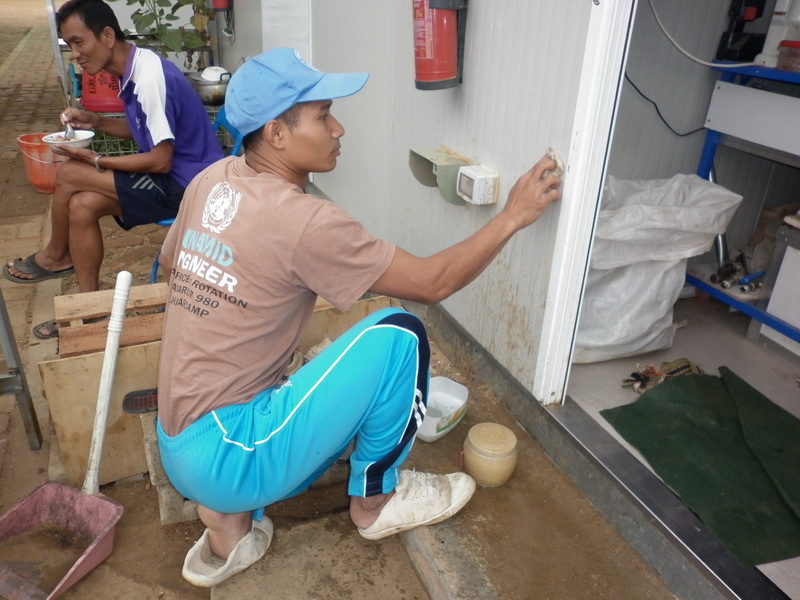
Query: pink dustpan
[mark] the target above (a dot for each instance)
(85, 514)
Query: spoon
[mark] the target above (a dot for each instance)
(70, 133)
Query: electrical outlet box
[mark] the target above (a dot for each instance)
(477, 185)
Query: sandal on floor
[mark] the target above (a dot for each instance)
(37, 273)
(51, 328)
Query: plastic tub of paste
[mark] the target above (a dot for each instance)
(490, 454)
(447, 404)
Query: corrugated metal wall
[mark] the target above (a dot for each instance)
(523, 63)
(643, 148)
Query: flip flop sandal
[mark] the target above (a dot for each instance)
(37, 273)
(51, 328)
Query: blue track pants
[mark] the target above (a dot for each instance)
(370, 384)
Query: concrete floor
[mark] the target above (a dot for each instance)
(712, 337)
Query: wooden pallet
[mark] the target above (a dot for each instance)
(70, 383)
(144, 319)
(70, 386)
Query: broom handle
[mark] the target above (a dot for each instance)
(90, 484)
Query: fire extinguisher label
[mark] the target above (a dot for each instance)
(423, 29)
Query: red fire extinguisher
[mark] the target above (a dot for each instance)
(439, 27)
(221, 4)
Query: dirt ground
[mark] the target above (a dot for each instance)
(130, 572)
(23, 469)
(574, 554)
(147, 557)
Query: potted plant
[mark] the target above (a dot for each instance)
(157, 21)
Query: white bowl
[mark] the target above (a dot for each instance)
(447, 405)
(82, 139)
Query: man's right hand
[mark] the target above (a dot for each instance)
(79, 119)
(533, 193)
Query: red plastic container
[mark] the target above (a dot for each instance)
(789, 56)
(101, 92)
(41, 164)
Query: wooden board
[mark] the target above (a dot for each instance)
(71, 385)
(96, 304)
(144, 319)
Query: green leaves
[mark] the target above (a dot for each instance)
(157, 19)
(144, 22)
(172, 39)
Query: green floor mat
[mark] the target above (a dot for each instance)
(731, 455)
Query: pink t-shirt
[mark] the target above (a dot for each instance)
(250, 254)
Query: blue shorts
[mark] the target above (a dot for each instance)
(370, 384)
(146, 197)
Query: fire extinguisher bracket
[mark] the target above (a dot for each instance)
(448, 4)
(439, 168)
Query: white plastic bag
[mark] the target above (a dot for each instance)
(645, 232)
(628, 310)
(662, 219)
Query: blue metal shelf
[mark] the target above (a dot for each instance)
(730, 74)
(746, 308)
(741, 75)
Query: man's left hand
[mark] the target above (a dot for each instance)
(84, 155)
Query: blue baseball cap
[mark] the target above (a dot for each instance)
(269, 84)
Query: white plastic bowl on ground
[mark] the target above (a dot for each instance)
(447, 404)
(82, 139)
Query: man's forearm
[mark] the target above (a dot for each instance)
(432, 279)
(461, 263)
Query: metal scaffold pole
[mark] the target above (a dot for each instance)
(62, 73)
(14, 382)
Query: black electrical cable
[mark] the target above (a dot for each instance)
(658, 111)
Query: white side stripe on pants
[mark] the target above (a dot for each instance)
(144, 183)
(419, 408)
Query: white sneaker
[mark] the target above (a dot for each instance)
(793, 220)
(421, 499)
(203, 568)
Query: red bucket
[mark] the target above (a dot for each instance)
(41, 164)
(101, 92)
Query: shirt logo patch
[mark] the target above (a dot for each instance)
(221, 206)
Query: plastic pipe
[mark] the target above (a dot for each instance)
(752, 277)
(121, 290)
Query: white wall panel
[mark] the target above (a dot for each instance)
(522, 67)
